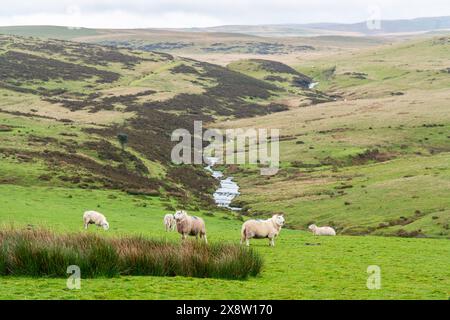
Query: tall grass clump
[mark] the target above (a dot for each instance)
(40, 252)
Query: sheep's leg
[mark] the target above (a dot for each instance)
(206, 239)
(272, 242)
(247, 242)
(85, 226)
(243, 236)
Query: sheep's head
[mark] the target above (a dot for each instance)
(105, 225)
(312, 227)
(180, 215)
(279, 219)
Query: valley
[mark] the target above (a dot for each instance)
(367, 151)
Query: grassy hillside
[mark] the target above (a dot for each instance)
(375, 162)
(64, 103)
(284, 77)
(388, 70)
(374, 166)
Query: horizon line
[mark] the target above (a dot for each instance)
(223, 25)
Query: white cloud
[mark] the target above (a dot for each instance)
(200, 13)
(114, 19)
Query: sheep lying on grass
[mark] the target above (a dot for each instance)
(260, 229)
(190, 225)
(169, 222)
(322, 231)
(94, 217)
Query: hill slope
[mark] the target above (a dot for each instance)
(376, 162)
(64, 103)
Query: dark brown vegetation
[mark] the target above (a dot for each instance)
(85, 52)
(17, 66)
(5, 128)
(182, 68)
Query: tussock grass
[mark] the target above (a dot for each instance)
(39, 252)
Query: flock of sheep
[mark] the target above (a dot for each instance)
(194, 226)
(188, 225)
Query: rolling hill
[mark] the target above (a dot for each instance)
(375, 162)
(64, 104)
(400, 26)
(216, 47)
(371, 159)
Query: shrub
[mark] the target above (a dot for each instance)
(39, 252)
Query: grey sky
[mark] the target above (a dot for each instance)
(201, 13)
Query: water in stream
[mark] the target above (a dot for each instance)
(312, 85)
(228, 189)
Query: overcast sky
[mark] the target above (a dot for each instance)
(204, 13)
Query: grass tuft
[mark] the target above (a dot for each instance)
(39, 252)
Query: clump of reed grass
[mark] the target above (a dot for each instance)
(39, 252)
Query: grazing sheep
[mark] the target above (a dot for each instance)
(94, 217)
(190, 225)
(260, 229)
(169, 222)
(322, 231)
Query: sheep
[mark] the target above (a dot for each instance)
(260, 229)
(190, 225)
(169, 222)
(322, 231)
(94, 217)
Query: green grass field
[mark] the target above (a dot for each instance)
(300, 266)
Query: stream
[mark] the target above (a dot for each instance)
(312, 85)
(228, 189)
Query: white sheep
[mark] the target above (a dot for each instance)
(260, 229)
(169, 222)
(94, 217)
(190, 225)
(322, 231)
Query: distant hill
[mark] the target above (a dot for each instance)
(389, 26)
(204, 45)
(420, 25)
(49, 32)
(229, 33)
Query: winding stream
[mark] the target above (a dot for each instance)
(228, 189)
(312, 85)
